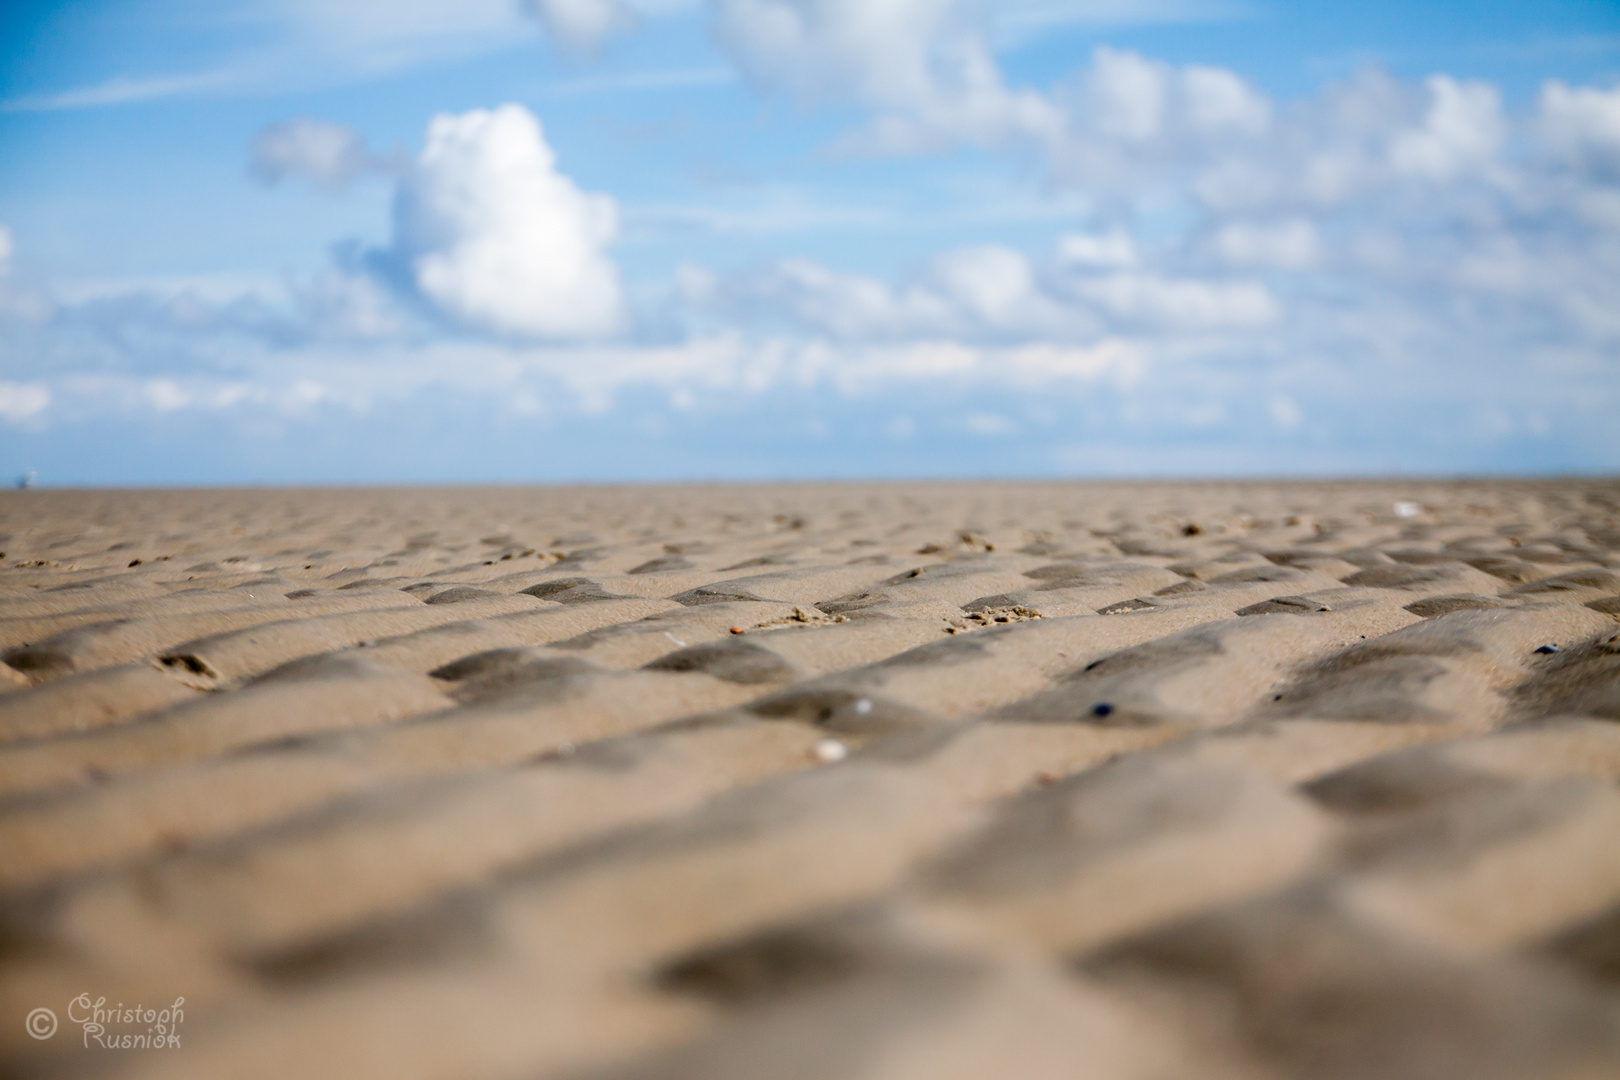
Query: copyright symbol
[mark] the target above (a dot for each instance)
(42, 1023)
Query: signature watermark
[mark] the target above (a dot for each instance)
(116, 1028)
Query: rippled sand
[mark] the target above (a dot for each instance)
(914, 780)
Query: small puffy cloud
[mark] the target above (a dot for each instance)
(329, 155)
(994, 285)
(1125, 96)
(496, 238)
(22, 401)
(989, 424)
(581, 25)
(1217, 101)
(1284, 412)
(1462, 129)
(1291, 245)
(1581, 123)
(1110, 249)
(6, 248)
(166, 395)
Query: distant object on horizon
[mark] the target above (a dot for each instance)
(26, 480)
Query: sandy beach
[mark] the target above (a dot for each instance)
(1248, 780)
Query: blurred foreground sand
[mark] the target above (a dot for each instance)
(844, 781)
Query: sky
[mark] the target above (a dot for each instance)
(393, 241)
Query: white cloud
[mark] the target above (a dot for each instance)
(875, 50)
(6, 248)
(1110, 249)
(520, 379)
(989, 424)
(165, 395)
(581, 25)
(1171, 303)
(928, 69)
(1461, 130)
(941, 363)
(1218, 101)
(1131, 122)
(1284, 412)
(1125, 123)
(848, 306)
(498, 239)
(990, 293)
(124, 91)
(1292, 245)
(1041, 363)
(931, 75)
(329, 155)
(22, 401)
(994, 285)
(1581, 122)
(1125, 97)
(978, 292)
(302, 44)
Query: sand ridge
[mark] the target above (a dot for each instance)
(817, 780)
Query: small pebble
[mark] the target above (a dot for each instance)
(1547, 650)
(863, 706)
(565, 749)
(1102, 708)
(1408, 509)
(831, 751)
(736, 629)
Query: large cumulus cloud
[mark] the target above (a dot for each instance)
(497, 238)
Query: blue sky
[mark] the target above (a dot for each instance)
(503, 240)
